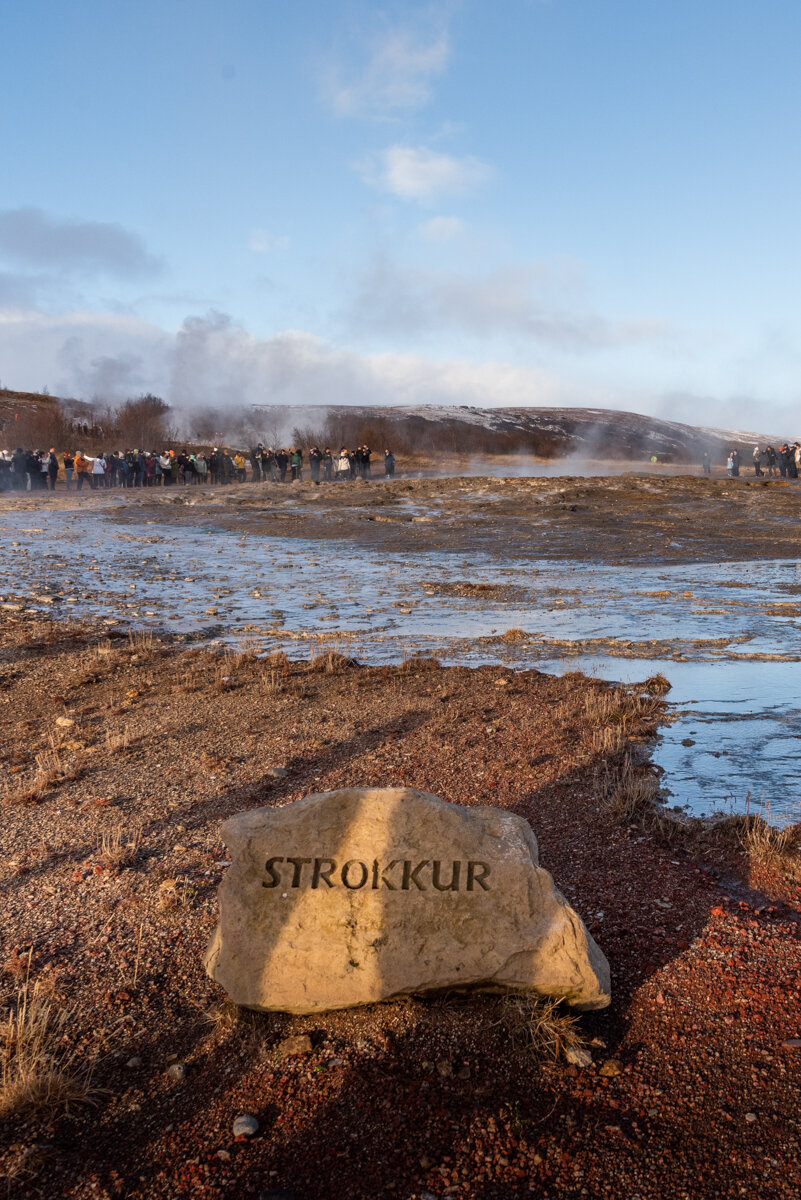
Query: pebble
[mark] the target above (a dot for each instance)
(133, 1062)
(611, 1067)
(177, 1072)
(792, 1044)
(245, 1126)
(293, 1046)
(65, 722)
(750, 1118)
(277, 772)
(577, 1056)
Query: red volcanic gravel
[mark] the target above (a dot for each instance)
(693, 1090)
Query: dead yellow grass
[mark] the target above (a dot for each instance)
(141, 640)
(608, 741)
(631, 795)
(629, 708)
(118, 740)
(40, 1071)
(538, 1027)
(418, 664)
(657, 685)
(330, 663)
(224, 1017)
(118, 848)
(776, 848)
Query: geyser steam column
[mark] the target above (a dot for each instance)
(349, 897)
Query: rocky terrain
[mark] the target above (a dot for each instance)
(122, 756)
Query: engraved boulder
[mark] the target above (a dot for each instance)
(350, 897)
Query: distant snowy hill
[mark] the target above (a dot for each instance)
(554, 432)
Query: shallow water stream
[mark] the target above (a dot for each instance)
(727, 636)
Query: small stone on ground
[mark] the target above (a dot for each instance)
(245, 1126)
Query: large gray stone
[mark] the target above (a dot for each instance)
(349, 897)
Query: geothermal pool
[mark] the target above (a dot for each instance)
(727, 636)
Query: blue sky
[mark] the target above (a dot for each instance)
(589, 202)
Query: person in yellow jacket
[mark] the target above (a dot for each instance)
(83, 469)
(239, 463)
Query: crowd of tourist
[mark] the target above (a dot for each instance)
(29, 470)
(784, 463)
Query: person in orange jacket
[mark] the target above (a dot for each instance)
(83, 469)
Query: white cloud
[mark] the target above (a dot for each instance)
(418, 173)
(441, 229)
(394, 71)
(39, 241)
(262, 242)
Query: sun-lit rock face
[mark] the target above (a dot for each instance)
(350, 897)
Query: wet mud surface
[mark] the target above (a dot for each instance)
(621, 519)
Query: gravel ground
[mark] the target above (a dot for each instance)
(692, 1091)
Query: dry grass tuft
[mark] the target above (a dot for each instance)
(331, 663)
(608, 741)
(776, 848)
(273, 681)
(118, 849)
(51, 771)
(513, 635)
(49, 768)
(631, 795)
(416, 665)
(539, 1028)
(118, 740)
(223, 681)
(141, 640)
(176, 893)
(224, 1017)
(20, 797)
(193, 678)
(40, 1072)
(631, 709)
(278, 661)
(605, 707)
(656, 685)
(243, 653)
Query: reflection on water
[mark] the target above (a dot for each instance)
(737, 740)
(739, 731)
